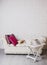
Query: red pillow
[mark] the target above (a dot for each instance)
(7, 39)
(13, 39)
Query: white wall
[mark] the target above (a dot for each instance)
(23, 17)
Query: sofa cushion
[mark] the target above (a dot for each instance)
(13, 39)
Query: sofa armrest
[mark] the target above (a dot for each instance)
(5, 45)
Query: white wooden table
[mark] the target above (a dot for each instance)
(36, 50)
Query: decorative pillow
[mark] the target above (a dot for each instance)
(7, 39)
(42, 39)
(37, 41)
(21, 41)
(13, 39)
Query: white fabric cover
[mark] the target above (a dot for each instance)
(18, 49)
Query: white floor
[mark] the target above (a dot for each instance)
(19, 60)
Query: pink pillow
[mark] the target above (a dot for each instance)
(13, 39)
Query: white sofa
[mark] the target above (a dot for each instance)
(18, 49)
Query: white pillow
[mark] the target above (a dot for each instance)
(42, 39)
(35, 42)
(38, 40)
